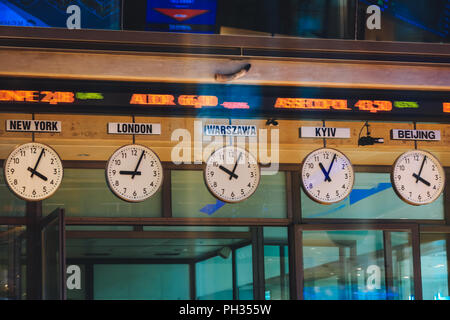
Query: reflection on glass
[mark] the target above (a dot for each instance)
(191, 198)
(406, 20)
(84, 193)
(12, 263)
(276, 263)
(434, 262)
(402, 266)
(354, 265)
(10, 205)
(309, 19)
(372, 197)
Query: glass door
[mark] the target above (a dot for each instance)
(53, 256)
(361, 264)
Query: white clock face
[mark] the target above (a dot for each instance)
(33, 171)
(417, 177)
(134, 173)
(327, 176)
(232, 174)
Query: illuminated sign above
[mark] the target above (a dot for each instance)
(223, 100)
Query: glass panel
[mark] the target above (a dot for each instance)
(406, 20)
(159, 249)
(51, 260)
(402, 266)
(358, 265)
(75, 195)
(434, 262)
(10, 205)
(219, 283)
(12, 263)
(141, 281)
(61, 14)
(276, 263)
(372, 197)
(244, 273)
(191, 198)
(343, 265)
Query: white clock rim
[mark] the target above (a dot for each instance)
(217, 196)
(303, 184)
(395, 187)
(32, 199)
(120, 196)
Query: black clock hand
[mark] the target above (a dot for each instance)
(37, 173)
(228, 171)
(420, 171)
(137, 166)
(37, 163)
(138, 173)
(327, 177)
(419, 178)
(235, 165)
(331, 165)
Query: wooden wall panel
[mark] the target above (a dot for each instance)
(84, 137)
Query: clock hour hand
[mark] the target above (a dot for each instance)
(37, 173)
(232, 174)
(327, 177)
(138, 173)
(419, 178)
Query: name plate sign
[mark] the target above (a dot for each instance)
(230, 130)
(134, 128)
(425, 135)
(33, 125)
(324, 132)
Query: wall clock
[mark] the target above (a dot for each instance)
(232, 174)
(327, 176)
(134, 173)
(417, 177)
(33, 171)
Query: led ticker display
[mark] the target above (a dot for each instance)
(217, 100)
(51, 97)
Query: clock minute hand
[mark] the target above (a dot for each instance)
(37, 163)
(137, 166)
(420, 171)
(235, 165)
